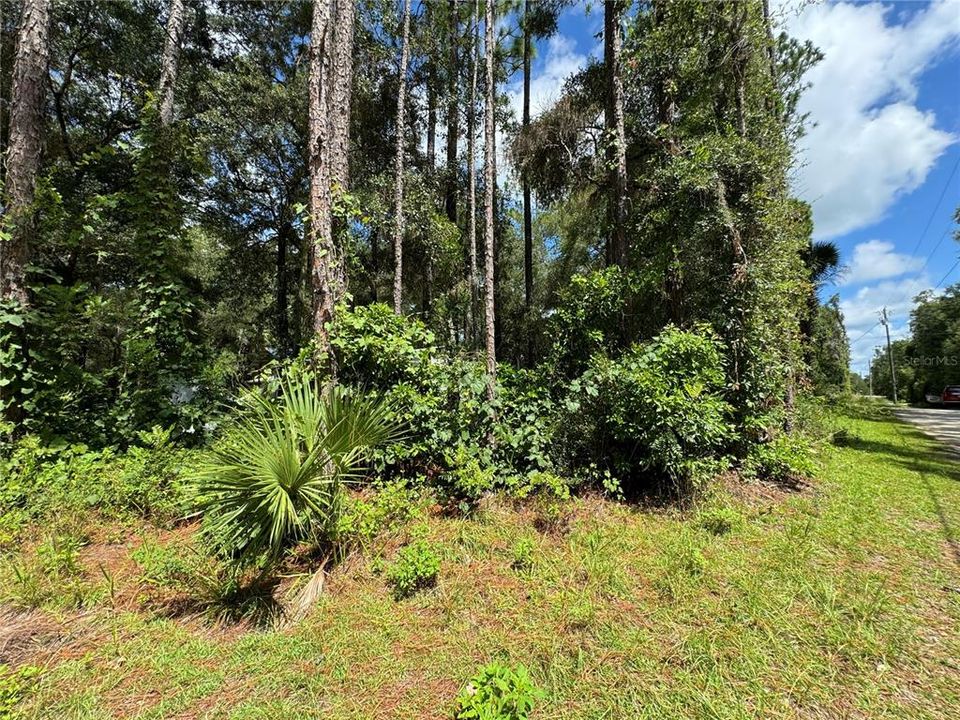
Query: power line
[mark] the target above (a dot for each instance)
(865, 333)
(936, 207)
(935, 247)
(952, 268)
(926, 228)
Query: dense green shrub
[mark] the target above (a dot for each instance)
(497, 692)
(596, 313)
(654, 409)
(466, 481)
(526, 418)
(416, 568)
(363, 518)
(657, 411)
(440, 400)
(41, 482)
(378, 348)
(786, 457)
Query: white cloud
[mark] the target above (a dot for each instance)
(560, 62)
(860, 313)
(871, 144)
(876, 259)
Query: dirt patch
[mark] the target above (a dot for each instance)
(35, 637)
(22, 634)
(761, 494)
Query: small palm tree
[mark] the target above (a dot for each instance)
(277, 475)
(823, 262)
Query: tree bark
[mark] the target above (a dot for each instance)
(740, 52)
(25, 145)
(341, 93)
(322, 256)
(666, 105)
(341, 86)
(524, 181)
(771, 46)
(431, 124)
(398, 222)
(614, 121)
(453, 114)
(490, 179)
(283, 322)
(171, 59)
(473, 307)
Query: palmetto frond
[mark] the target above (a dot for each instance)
(276, 476)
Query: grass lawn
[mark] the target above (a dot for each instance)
(838, 600)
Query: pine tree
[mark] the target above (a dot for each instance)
(489, 180)
(340, 96)
(398, 227)
(474, 302)
(171, 59)
(453, 111)
(615, 126)
(23, 152)
(323, 256)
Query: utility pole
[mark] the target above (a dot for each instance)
(870, 373)
(885, 320)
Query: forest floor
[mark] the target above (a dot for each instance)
(837, 599)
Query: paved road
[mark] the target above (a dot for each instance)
(941, 423)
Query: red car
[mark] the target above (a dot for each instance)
(951, 394)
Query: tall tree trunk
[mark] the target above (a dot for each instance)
(614, 121)
(283, 322)
(473, 307)
(666, 115)
(171, 59)
(398, 222)
(25, 144)
(428, 285)
(771, 49)
(374, 263)
(453, 114)
(341, 86)
(524, 181)
(740, 51)
(489, 180)
(22, 163)
(431, 167)
(431, 120)
(340, 95)
(322, 256)
(666, 104)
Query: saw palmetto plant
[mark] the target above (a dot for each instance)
(276, 476)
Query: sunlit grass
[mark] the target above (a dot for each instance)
(826, 603)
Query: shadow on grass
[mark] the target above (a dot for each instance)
(250, 603)
(916, 452)
(934, 457)
(949, 533)
(929, 457)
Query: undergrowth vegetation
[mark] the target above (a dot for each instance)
(301, 472)
(775, 601)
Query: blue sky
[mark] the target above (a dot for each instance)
(883, 151)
